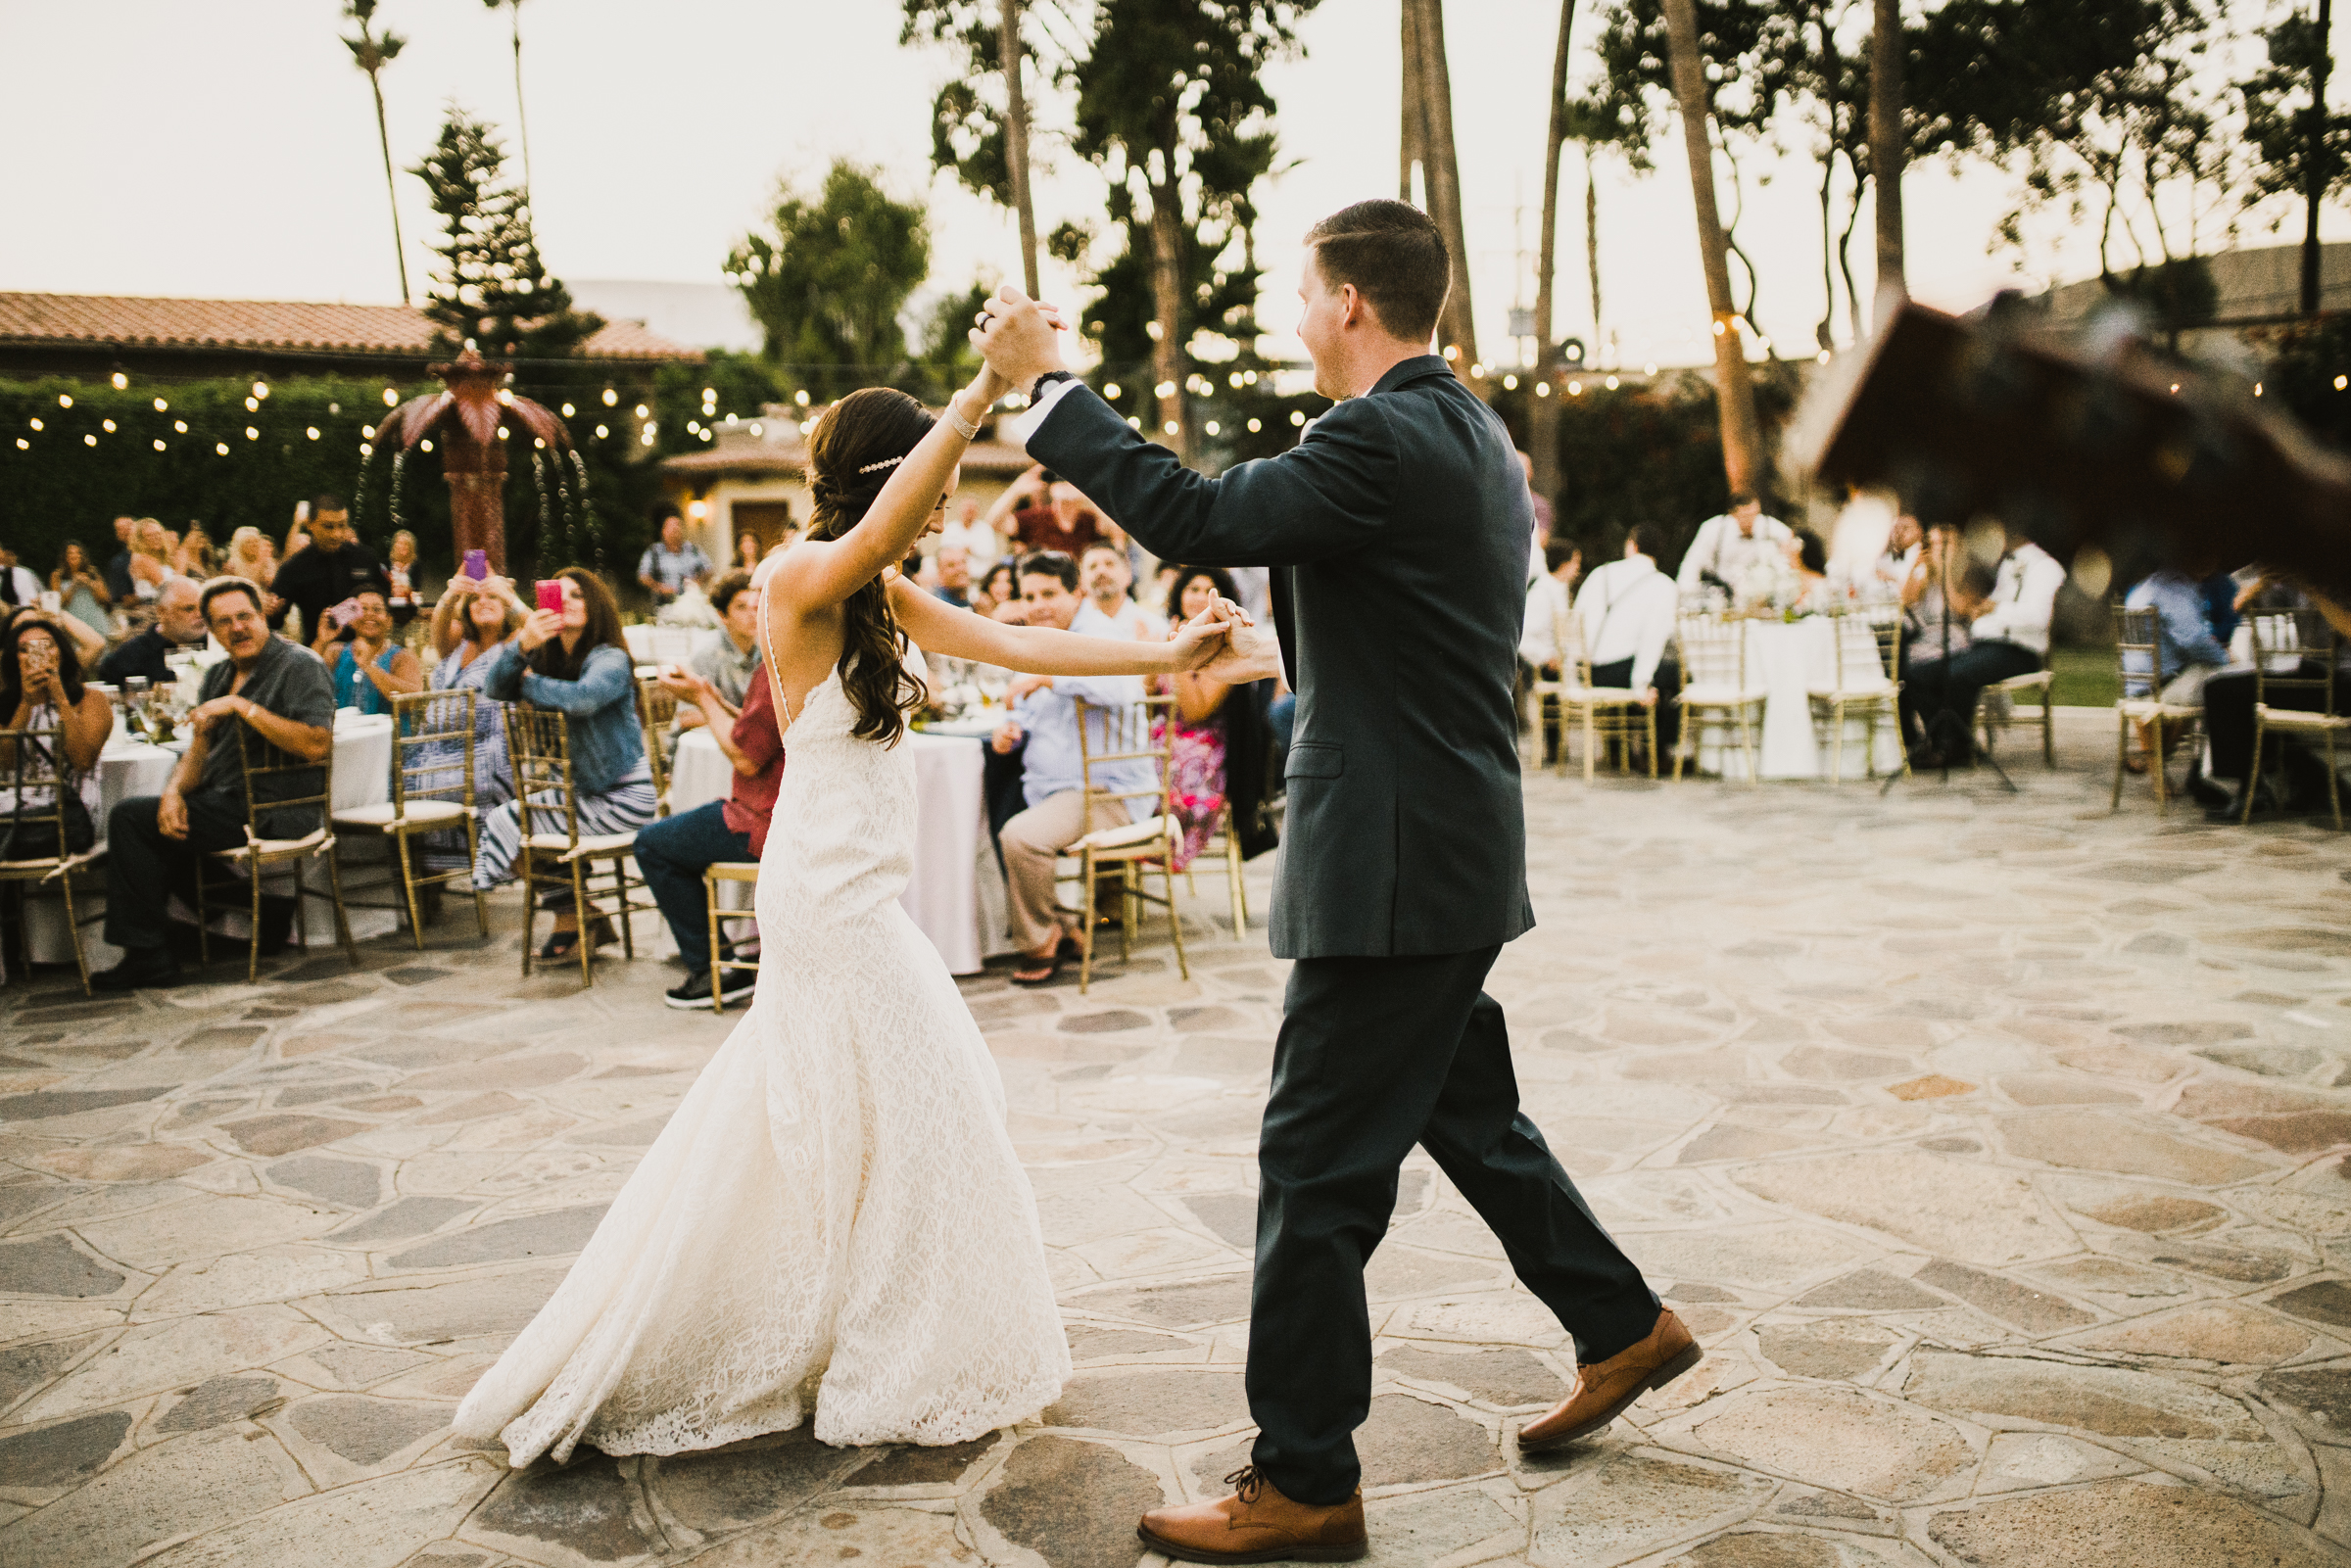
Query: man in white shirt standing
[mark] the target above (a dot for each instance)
(2009, 638)
(1627, 610)
(1729, 548)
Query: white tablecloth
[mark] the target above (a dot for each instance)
(956, 894)
(660, 645)
(131, 767)
(1787, 659)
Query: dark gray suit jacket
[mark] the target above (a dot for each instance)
(1400, 523)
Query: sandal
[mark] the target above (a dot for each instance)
(559, 946)
(1039, 971)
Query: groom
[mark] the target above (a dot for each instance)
(1397, 526)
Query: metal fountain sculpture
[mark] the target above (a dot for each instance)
(478, 418)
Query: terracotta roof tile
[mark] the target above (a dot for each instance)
(141, 323)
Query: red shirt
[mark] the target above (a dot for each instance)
(752, 800)
(1039, 528)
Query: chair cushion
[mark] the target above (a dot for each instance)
(1713, 696)
(2298, 719)
(589, 846)
(379, 816)
(1150, 829)
(2148, 708)
(1598, 696)
(315, 840)
(2026, 682)
(1878, 691)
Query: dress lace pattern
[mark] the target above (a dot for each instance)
(836, 1195)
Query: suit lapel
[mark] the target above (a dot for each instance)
(1285, 627)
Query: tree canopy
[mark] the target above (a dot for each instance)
(491, 285)
(829, 275)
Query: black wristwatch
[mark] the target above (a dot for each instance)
(1048, 379)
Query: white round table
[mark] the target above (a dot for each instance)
(1787, 659)
(956, 893)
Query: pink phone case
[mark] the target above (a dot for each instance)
(551, 597)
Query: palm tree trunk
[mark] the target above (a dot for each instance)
(1830, 66)
(1411, 147)
(1543, 417)
(1016, 137)
(1441, 171)
(1167, 294)
(522, 120)
(1735, 390)
(1592, 249)
(1886, 148)
(383, 137)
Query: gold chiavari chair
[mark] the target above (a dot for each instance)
(277, 783)
(33, 843)
(1864, 688)
(2139, 636)
(1123, 733)
(657, 709)
(2285, 649)
(555, 852)
(726, 871)
(1715, 691)
(432, 791)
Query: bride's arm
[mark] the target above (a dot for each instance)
(937, 627)
(816, 574)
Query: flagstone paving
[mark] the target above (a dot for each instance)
(1992, 1145)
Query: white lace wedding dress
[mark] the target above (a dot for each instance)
(836, 1194)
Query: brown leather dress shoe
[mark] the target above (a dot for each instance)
(1258, 1524)
(1602, 1391)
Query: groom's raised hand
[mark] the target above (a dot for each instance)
(1019, 338)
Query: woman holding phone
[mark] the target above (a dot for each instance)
(475, 617)
(371, 669)
(569, 655)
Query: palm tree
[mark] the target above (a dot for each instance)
(1885, 149)
(371, 52)
(1543, 433)
(1735, 388)
(1015, 137)
(1440, 171)
(522, 122)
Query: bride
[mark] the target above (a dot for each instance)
(836, 1196)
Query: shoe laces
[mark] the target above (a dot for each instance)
(1247, 1482)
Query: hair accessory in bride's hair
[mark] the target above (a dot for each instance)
(886, 462)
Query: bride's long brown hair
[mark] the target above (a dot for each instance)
(866, 428)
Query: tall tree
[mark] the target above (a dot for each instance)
(492, 286)
(1440, 172)
(371, 52)
(1543, 419)
(522, 120)
(986, 145)
(830, 275)
(1735, 388)
(1887, 147)
(1172, 108)
(2301, 147)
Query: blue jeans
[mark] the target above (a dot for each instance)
(673, 853)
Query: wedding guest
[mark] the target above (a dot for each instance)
(400, 578)
(1197, 771)
(970, 528)
(1044, 725)
(178, 624)
(675, 851)
(1105, 577)
(2229, 699)
(746, 552)
(297, 535)
(1540, 502)
(150, 560)
(117, 569)
(474, 618)
(1808, 559)
(371, 669)
(1627, 610)
(80, 589)
(671, 561)
(730, 660)
(194, 556)
(18, 587)
(1902, 543)
(1548, 603)
(954, 565)
(251, 556)
(1041, 513)
(2008, 636)
(576, 662)
(41, 687)
(998, 587)
(328, 570)
(2190, 649)
(1730, 547)
(155, 844)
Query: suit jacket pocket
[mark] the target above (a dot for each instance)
(1314, 759)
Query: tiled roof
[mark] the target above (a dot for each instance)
(139, 322)
(745, 457)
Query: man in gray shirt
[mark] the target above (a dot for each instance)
(156, 844)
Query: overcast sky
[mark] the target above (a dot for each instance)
(168, 148)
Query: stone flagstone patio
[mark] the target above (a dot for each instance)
(1993, 1146)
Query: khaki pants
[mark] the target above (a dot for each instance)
(1031, 841)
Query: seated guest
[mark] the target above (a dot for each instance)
(999, 589)
(473, 619)
(675, 851)
(332, 567)
(1729, 549)
(1044, 513)
(251, 556)
(370, 668)
(1626, 611)
(194, 556)
(2009, 636)
(41, 688)
(1196, 763)
(2229, 703)
(1053, 773)
(2188, 646)
(87, 644)
(155, 844)
(19, 588)
(1903, 542)
(1808, 559)
(1105, 577)
(149, 566)
(953, 564)
(731, 658)
(1548, 603)
(80, 589)
(401, 572)
(178, 624)
(117, 569)
(576, 662)
(971, 530)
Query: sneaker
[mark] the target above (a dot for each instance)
(695, 991)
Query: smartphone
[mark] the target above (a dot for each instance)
(477, 564)
(551, 595)
(345, 613)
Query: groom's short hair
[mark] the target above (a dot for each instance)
(1394, 256)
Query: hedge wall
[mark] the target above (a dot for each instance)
(66, 475)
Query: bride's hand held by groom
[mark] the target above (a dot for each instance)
(1020, 338)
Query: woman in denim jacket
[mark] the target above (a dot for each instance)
(577, 663)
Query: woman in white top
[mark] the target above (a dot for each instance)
(250, 556)
(150, 558)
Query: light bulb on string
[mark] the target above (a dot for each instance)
(158, 446)
(391, 397)
(107, 425)
(64, 401)
(160, 407)
(37, 424)
(122, 382)
(220, 449)
(180, 426)
(261, 389)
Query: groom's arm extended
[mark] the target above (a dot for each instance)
(1328, 495)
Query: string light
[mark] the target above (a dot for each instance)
(428, 444)
(1575, 388)
(312, 432)
(37, 424)
(642, 410)
(64, 401)
(162, 407)
(367, 450)
(1169, 428)
(22, 445)
(569, 410)
(391, 397)
(220, 449)
(261, 389)
(367, 432)
(122, 382)
(801, 397)
(1297, 416)
(1112, 392)
(251, 434)
(158, 446)
(1133, 423)
(181, 425)
(89, 441)
(1612, 383)
(1211, 428)
(1256, 425)
(107, 425)
(601, 432)
(1509, 383)
(611, 396)
(252, 406)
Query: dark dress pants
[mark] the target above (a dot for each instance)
(1375, 1055)
(143, 866)
(673, 853)
(1667, 678)
(1952, 686)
